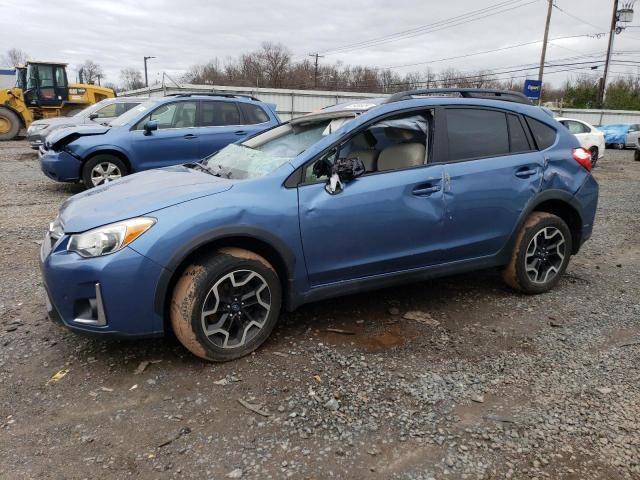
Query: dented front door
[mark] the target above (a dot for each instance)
(380, 223)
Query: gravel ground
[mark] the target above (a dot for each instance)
(477, 382)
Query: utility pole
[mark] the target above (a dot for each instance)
(315, 75)
(146, 77)
(612, 35)
(544, 46)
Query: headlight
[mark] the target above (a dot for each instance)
(37, 127)
(109, 238)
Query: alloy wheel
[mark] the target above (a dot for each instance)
(236, 308)
(105, 172)
(545, 254)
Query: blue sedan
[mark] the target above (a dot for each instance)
(157, 133)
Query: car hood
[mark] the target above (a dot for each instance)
(136, 195)
(75, 131)
(57, 121)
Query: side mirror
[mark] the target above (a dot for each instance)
(343, 170)
(150, 126)
(93, 116)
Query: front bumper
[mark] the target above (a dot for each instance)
(108, 296)
(35, 140)
(585, 201)
(60, 166)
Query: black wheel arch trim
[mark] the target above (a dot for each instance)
(217, 235)
(553, 194)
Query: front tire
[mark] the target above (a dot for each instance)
(636, 156)
(226, 304)
(540, 255)
(101, 169)
(9, 124)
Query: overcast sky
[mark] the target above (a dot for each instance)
(180, 33)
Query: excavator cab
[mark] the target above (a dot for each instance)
(46, 85)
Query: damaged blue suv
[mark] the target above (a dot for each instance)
(350, 198)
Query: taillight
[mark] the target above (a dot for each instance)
(583, 157)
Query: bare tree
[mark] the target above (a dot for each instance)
(15, 57)
(275, 60)
(131, 79)
(91, 71)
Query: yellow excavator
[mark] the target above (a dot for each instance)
(42, 91)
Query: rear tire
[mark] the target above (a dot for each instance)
(636, 156)
(226, 304)
(10, 124)
(101, 169)
(540, 255)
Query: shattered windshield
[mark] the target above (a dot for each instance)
(265, 153)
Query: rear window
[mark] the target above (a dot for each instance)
(218, 114)
(544, 135)
(475, 133)
(253, 114)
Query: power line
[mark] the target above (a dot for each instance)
(432, 27)
(509, 47)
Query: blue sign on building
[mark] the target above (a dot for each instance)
(532, 89)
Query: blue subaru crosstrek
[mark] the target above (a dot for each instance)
(157, 133)
(350, 198)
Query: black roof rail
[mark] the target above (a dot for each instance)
(505, 95)
(208, 94)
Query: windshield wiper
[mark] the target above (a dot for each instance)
(217, 172)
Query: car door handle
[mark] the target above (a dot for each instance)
(425, 191)
(525, 172)
(189, 136)
(240, 132)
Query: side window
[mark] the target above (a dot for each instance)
(172, 115)
(396, 143)
(108, 111)
(475, 133)
(544, 135)
(253, 114)
(575, 127)
(60, 78)
(220, 114)
(123, 107)
(518, 141)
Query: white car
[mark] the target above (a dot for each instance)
(589, 136)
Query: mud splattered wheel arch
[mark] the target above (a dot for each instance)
(225, 304)
(541, 254)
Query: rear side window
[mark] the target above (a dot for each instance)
(475, 133)
(253, 114)
(220, 114)
(517, 137)
(544, 135)
(124, 107)
(575, 127)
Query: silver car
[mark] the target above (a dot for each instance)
(101, 112)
